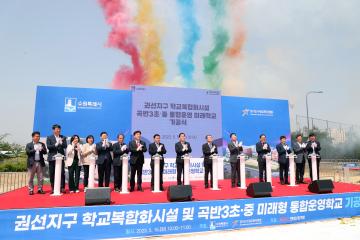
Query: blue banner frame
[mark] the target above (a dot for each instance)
(117, 221)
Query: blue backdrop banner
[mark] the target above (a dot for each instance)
(83, 111)
(250, 117)
(169, 111)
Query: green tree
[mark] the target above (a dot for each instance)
(350, 149)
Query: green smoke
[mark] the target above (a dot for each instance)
(220, 39)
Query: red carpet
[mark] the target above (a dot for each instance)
(20, 199)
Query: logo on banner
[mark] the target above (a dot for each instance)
(70, 104)
(73, 104)
(257, 112)
(245, 112)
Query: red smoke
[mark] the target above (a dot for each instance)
(123, 36)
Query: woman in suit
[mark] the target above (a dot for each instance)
(73, 163)
(88, 152)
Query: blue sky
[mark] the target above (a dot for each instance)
(291, 47)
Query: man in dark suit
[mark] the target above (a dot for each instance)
(35, 151)
(181, 148)
(208, 149)
(56, 143)
(157, 148)
(283, 149)
(235, 149)
(119, 149)
(104, 160)
(262, 148)
(137, 148)
(299, 149)
(313, 146)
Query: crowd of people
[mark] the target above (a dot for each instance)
(109, 156)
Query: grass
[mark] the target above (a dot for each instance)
(14, 164)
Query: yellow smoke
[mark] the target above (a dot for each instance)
(150, 49)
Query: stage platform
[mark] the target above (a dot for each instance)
(141, 214)
(19, 199)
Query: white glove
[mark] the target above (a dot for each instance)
(265, 146)
(139, 147)
(106, 143)
(185, 147)
(240, 144)
(314, 145)
(286, 147)
(303, 145)
(159, 148)
(57, 142)
(123, 148)
(213, 149)
(74, 146)
(37, 147)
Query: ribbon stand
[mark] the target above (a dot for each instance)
(292, 157)
(242, 157)
(186, 158)
(268, 168)
(314, 156)
(215, 171)
(156, 159)
(92, 171)
(125, 172)
(57, 179)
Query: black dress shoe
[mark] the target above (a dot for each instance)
(161, 188)
(139, 188)
(131, 189)
(63, 190)
(31, 192)
(233, 185)
(40, 191)
(238, 184)
(282, 182)
(287, 183)
(206, 186)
